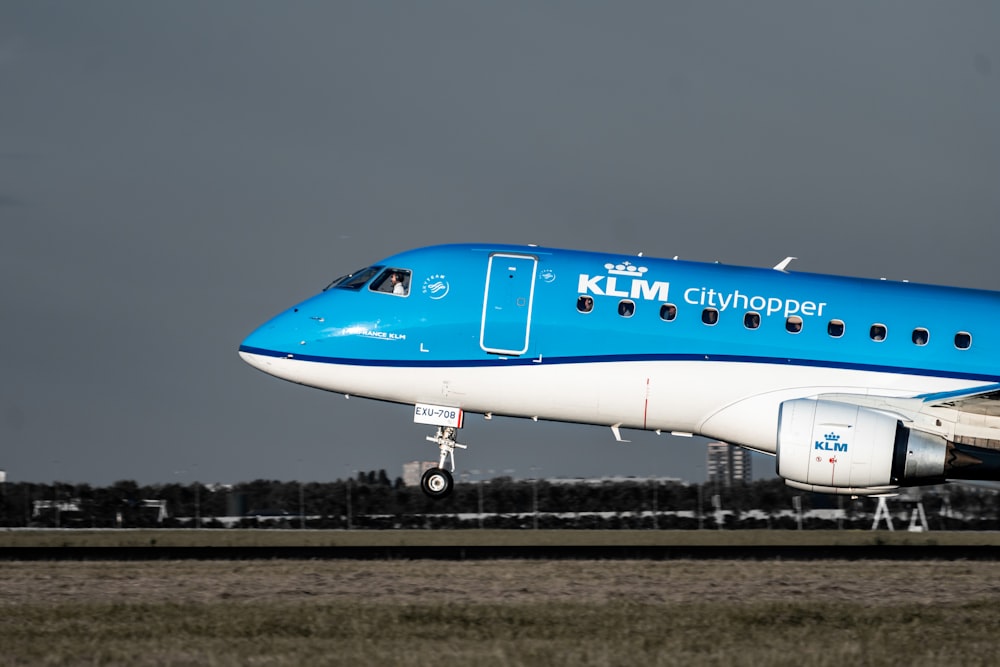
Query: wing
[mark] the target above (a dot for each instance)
(975, 410)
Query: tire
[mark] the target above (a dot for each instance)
(437, 483)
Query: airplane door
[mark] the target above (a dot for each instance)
(510, 286)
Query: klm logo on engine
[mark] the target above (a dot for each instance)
(624, 280)
(830, 443)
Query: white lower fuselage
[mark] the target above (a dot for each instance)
(729, 401)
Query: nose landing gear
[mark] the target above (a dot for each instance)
(438, 482)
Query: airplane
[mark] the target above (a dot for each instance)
(856, 386)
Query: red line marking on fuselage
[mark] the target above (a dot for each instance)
(645, 408)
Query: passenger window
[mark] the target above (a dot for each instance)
(793, 324)
(668, 312)
(585, 304)
(626, 308)
(392, 281)
(963, 340)
(751, 320)
(921, 336)
(878, 332)
(835, 328)
(710, 316)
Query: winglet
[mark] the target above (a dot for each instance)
(783, 264)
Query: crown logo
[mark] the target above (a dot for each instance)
(832, 437)
(626, 268)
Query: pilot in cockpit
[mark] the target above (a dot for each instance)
(396, 280)
(392, 281)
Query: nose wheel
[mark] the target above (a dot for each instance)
(438, 482)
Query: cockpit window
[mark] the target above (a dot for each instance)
(355, 280)
(392, 281)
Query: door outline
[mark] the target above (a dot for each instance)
(487, 333)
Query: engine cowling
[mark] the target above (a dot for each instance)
(831, 447)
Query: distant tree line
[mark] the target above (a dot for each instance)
(373, 501)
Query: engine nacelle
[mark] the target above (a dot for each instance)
(831, 447)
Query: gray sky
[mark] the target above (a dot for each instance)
(173, 174)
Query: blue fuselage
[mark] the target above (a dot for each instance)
(488, 306)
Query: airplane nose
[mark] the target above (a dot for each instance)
(269, 348)
(278, 337)
(281, 338)
(265, 344)
(293, 335)
(258, 361)
(257, 351)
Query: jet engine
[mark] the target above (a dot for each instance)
(831, 447)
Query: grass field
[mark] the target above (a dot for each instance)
(499, 613)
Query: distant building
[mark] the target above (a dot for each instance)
(63, 506)
(414, 470)
(728, 465)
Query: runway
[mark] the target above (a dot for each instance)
(247, 545)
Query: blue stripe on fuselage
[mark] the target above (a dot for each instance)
(516, 361)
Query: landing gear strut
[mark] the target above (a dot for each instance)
(438, 482)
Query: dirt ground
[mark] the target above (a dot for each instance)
(180, 582)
